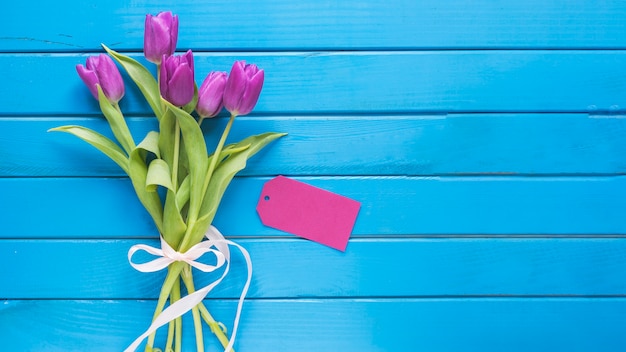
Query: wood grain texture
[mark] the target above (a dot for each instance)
(107, 208)
(546, 324)
(427, 145)
(359, 82)
(285, 268)
(310, 24)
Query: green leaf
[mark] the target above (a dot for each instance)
(116, 121)
(222, 176)
(143, 78)
(100, 142)
(231, 149)
(167, 141)
(138, 173)
(235, 162)
(150, 143)
(195, 149)
(183, 163)
(182, 195)
(158, 175)
(174, 226)
(167, 136)
(174, 223)
(171, 128)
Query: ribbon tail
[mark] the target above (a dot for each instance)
(216, 237)
(246, 255)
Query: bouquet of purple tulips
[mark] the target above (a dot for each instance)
(175, 160)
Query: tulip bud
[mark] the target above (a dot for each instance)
(160, 36)
(210, 94)
(102, 70)
(243, 88)
(176, 81)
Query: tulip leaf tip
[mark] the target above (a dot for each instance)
(59, 129)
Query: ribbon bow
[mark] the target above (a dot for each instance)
(167, 255)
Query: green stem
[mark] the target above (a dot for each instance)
(178, 322)
(176, 156)
(128, 144)
(170, 337)
(185, 245)
(215, 328)
(197, 321)
(173, 273)
(178, 343)
(117, 107)
(217, 153)
(158, 74)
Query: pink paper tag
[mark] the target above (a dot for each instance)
(306, 211)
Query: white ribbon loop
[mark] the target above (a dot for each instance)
(168, 255)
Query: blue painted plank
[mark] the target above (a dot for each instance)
(538, 144)
(373, 71)
(558, 324)
(360, 82)
(306, 25)
(107, 208)
(283, 268)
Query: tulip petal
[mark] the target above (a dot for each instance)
(210, 95)
(160, 36)
(163, 77)
(252, 93)
(156, 39)
(177, 79)
(110, 78)
(235, 87)
(163, 34)
(251, 70)
(92, 63)
(188, 58)
(173, 35)
(148, 39)
(165, 17)
(180, 86)
(90, 78)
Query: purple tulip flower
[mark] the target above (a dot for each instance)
(160, 36)
(243, 88)
(102, 70)
(177, 82)
(210, 94)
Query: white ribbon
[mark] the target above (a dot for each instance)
(168, 255)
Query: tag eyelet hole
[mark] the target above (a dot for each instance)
(266, 198)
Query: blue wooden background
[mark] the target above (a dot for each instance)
(486, 141)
